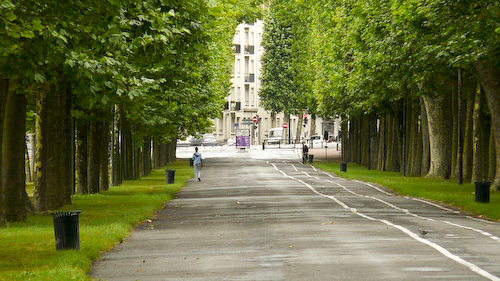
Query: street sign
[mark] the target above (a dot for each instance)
(285, 125)
(255, 119)
(246, 121)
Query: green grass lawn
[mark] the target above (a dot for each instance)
(27, 250)
(449, 192)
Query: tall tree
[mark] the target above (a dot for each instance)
(13, 178)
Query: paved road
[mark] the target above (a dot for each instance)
(265, 216)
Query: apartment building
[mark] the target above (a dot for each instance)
(243, 102)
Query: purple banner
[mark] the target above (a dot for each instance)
(243, 138)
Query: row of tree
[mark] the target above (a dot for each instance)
(415, 82)
(117, 81)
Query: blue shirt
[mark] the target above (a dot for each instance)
(197, 158)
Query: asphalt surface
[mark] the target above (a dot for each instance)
(262, 215)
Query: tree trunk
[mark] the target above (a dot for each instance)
(299, 127)
(13, 153)
(344, 137)
(128, 150)
(468, 142)
(438, 112)
(426, 148)
(454, 139)
(492, 155)
(477, 164)
(4, 89)
(393, 160)
(117, 174)
(47, 181)
(52, 180)
(104, 171)
(94, 169)
(489, 75)
(147, 155)
(82, 128)
(382, 151)
(371, 141)
(313, 125)
(414, 139)
(66, 147)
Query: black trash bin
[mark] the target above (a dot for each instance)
(191, 162)
(311, 157)
(343, 166)
(67, 230)
(482, 191)
(170, 176)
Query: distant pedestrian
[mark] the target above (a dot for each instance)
(305, 152)
(197, 164)
(325, 136)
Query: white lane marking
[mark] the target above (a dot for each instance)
(375, 187)
(435, 246)
(489, 235)
(436, 205)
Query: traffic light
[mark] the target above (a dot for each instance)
(305, 118)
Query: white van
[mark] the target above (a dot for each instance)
(275, 135)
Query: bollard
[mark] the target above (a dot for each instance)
(263, 145)
(170, 176)
(311, 158)
(482, 191)
(66, 230)
(343, 166)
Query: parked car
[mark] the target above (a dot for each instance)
(184, 142)
(209, 140)
(230, 141)
(318, 141)
(196, 141)
(275, 135)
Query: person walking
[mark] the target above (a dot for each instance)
(197, 164)
(305, 153)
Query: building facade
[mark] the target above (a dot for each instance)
(243, 101)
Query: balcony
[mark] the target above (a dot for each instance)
(249, 78)
(233, 106)
(249, 50)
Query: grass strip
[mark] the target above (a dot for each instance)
(27, 249)
(447, 192)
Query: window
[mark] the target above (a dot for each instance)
(247, 95)
(237, 37)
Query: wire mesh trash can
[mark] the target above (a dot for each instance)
(482, 191)
(343, 166)
(67, 230)
(170, 176)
